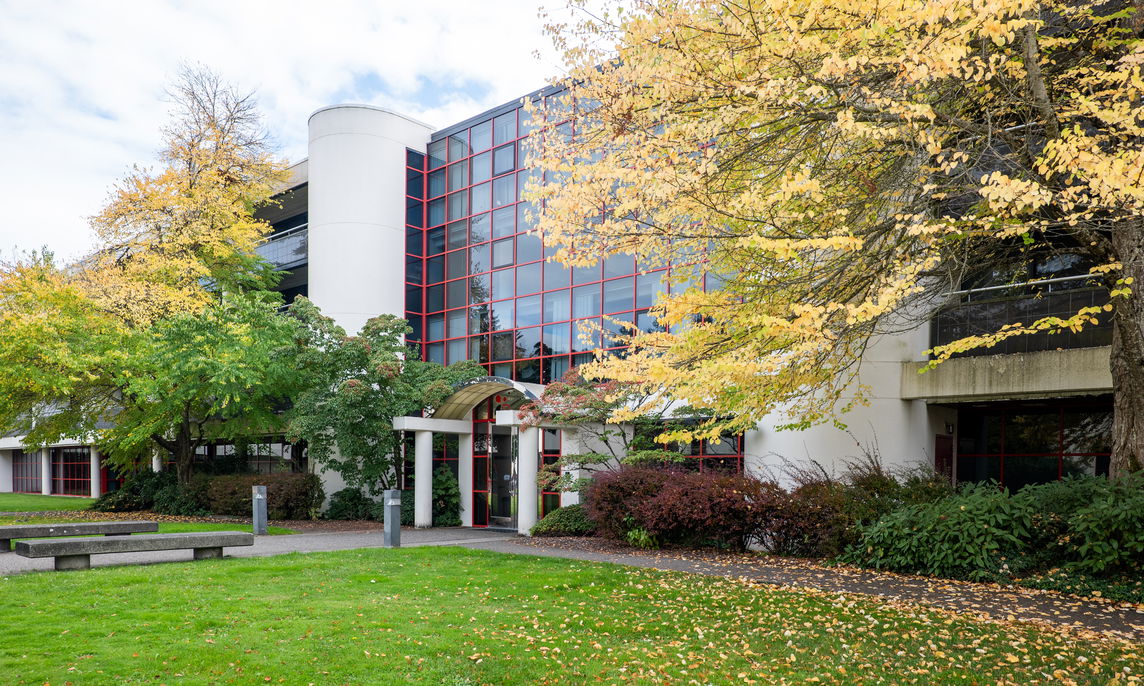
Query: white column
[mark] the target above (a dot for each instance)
(528, 456)
(422, 479)
(96, 481)
(46, 471)
(156, 461)
(465, 477)
(5, 471)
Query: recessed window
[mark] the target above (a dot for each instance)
(502, 253)
(504, 159)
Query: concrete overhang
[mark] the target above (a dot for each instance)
(1050, 373)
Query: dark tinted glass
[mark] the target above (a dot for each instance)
(436, 183)
(435, 240)
(437, 153)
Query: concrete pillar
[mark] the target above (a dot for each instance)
(156, 462)
(465, 476)
(5, 471)
(422, 479)
(96, 481)
(46, 471)
(527, 496)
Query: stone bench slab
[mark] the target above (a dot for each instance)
(74, 553)
(7, 533)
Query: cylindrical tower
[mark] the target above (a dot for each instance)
(357, 210)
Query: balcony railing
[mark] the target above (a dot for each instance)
(287, 249)
(983, 316)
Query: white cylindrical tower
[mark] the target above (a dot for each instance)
(357, 210)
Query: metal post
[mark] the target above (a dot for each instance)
(391, 528)
(258, 498)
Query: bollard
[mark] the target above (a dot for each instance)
(391, 530)
(258, 499)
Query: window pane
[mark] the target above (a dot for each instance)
(482, 167)
(504, 159)
(581, 275)
(457, 293)
(528, 248)
(504, 191)
(504, 284)
(435, 240)
(585, 335)
(458, 350)
(481, 198)
(504, 127)
(556, 339)
(619, 265)
(528, 278)
(528, 372)
(522, 211)
(435, 352)
(1031, 434)
(479, 258)
(458, 176)
(458, 205)
(436, 183)
(585, 301)
(436, 327)
(618, 295)
(455, 266)
(528, 311)
(503, 346)
(479, 228)
(556, 306)
(481, 136)
(437, 153)
(479, 319)
(435, 269)
(434, 298)
(648, 288)
(504, 222)
(458, 148)
(479, 288)
(500, 315)
(528, 342)
(502, 254)
(436, 214)
(556, 275)
(455, 323)
(458, 234)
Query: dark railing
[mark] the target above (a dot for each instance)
(287, 249)
(982, 316)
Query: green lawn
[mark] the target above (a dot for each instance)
(456, 616)
(27, 502)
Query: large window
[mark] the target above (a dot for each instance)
(71, 471)
(1018, 444)
(26, 472)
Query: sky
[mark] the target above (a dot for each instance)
(82, 83)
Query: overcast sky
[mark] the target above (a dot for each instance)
(82, 83)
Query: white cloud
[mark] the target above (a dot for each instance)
(82, 83)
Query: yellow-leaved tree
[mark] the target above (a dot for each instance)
(827, 166)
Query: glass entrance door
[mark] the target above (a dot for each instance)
(502, 478)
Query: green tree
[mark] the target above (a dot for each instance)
(354, 386)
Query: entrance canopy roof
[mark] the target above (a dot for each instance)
(468, 394)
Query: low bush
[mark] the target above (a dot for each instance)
(613, 498)
(570, 520)
(178, 500)
(708, 508)
(288, 496)
(350, 503)
(137, 492)
(1107, 534)
(803, 523)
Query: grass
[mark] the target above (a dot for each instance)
(27, 502)
(456, 616)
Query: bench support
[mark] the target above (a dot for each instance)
(69, 562)
(207, 553)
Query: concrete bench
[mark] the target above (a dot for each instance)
(75, 553)
(7, 533)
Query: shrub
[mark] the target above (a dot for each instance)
(804, 523)
(1108, 533)
(971, 535)
(350, 503)
(178, 500)
(408, 509)
(571, 520)
(612, 498)
(710, 508)
(137, 492)
(639, 537)
(288, 496)
(446, 498)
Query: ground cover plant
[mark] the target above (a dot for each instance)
(456, 616)
(27, 502)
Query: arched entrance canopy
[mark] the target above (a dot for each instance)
(469, 394)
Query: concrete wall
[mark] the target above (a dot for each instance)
(1050, 373)
(5, 471)
(356, 172)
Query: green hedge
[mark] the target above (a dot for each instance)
(288, 496)
(571, 520)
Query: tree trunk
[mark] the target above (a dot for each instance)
(184, 454)
(1127, 359)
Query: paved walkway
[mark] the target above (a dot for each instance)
(1122, 619)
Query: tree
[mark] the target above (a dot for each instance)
(354, 387)
(829, 167)
(162, 334)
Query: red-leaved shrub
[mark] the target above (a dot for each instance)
(711, 508)
(612, 498)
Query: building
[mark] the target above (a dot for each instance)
(389, 215)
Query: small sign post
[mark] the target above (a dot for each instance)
(258, 498)
(391, 529)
